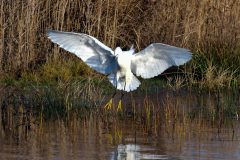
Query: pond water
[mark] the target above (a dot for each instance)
(171, 126)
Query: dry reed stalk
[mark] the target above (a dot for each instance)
(2, 28)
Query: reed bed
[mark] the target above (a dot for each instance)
(27, 112)
(81, 100)
(210, 28)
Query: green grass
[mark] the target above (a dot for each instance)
(211, 71)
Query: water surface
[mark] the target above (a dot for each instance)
(163, 125)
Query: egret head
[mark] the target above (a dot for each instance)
(118, 51)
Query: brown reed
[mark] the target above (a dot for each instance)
(198, 25)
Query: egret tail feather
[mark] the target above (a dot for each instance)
(126, 83)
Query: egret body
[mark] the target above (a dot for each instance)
(121, 66)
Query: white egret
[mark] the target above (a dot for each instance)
(121, 66)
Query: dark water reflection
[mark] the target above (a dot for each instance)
(182, 129)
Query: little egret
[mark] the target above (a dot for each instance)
(121, 66)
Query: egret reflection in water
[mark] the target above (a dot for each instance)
(136, 152)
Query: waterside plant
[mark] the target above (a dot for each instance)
(210, 29)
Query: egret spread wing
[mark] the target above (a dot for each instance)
(156, 58)
(89, 49)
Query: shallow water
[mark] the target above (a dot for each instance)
(167, 134)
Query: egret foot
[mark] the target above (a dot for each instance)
(119, 107)
(109, 105)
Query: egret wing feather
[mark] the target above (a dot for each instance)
(94, 53)
(156, 58)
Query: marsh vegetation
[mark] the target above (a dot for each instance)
(52, 103)
(210, 29)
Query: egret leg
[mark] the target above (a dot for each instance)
(119, 107)
(109, 104)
